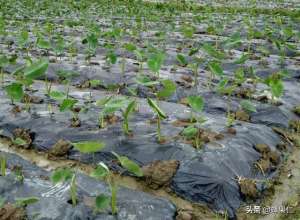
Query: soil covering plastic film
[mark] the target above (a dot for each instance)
(201, 102)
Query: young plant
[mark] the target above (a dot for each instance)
(92, 43)
(160, 116)
(68, 104)
(102, 201)
(129, 109)
(109, 106)
(155, 61)
(197, 105)
(3, 165)
(62, 175)
(15, 92)
(4, 61)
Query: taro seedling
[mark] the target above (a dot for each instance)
(129, 47)
(276, 85)
(58, 45)
(43, 43)
(3, 165)
(23, 40)
(92, 43)
(102, 201)
(109, 106)
(4, 62)
(15, 92)
(129, 110)
(68, 104)
(155, 61)
(197, 104)
(65, 76)
(160, 115)
(62, 175)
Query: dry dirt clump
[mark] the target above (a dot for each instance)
(25, 135)
(159, 173)
(209, 136)
(60, 149)
(269, 158)
(32, 99)
(10, 212)
(242, 116)
(248, 188)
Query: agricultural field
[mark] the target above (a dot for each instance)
(149, 110)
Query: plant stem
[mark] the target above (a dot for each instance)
(113, 188)
(73, 191)
(158, 129)
(3, 166)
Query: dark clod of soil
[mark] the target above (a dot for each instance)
(60, 149)
(231, 131)
(10, 212)
(32, 99)
(295, 125)
(25, 135)
(242, 116)
(209, 136)
(248, 188)
(268, 159)
(159, 173)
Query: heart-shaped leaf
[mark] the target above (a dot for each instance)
(36, 69)
(89, 146)
(196, 103)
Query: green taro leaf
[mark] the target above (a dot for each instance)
(196, 103)
(168, 90)
(155, 108)
(100, 172)
(155, 61)
(129, 47)
(57, 95)
(181, 59)
(102, 202)
(4, 61)
(276, 86)
(61, 175)
(248, 106)
(19, 142)
(130, 108)
(190, 131)
(89, 146)
(36, 69)
(215, 68)
(67, 104)
(242, 59)
(112, 57)
(129, 165)
(43, 44)
(23, 202)
(210, 50)
(15, 91)
(146, 81)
